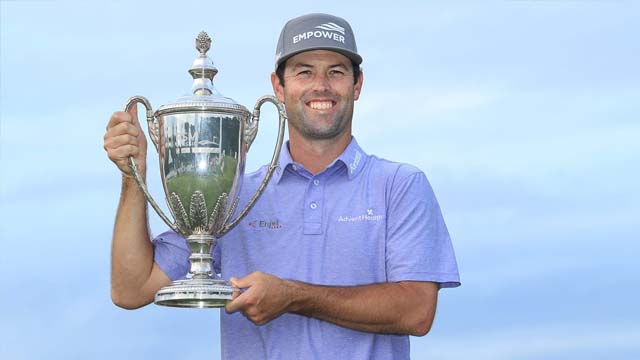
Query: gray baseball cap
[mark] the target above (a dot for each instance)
(316, 32)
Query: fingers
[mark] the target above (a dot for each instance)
(237, 291)
(242, 300)
(247, 281)
(124, 138)
(262, 299)
(123, 128)
(234, 296)
(232, 306)
(117, 140)
(122, 117)
(238, 303)
(238, 283)
(121, 131)
(120, 155)
(122, 141)
(249, 306)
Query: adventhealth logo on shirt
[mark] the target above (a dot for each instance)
(367, 216)
(331, 31)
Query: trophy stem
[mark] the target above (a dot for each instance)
(200, 258)
(204, 289)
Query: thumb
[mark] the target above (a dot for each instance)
(133, 110)
(241, 283)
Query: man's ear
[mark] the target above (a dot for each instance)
(278, 88)
(358, 86)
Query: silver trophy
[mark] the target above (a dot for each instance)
(202, 141)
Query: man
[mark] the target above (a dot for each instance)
(343, 255)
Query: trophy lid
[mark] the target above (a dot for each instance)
(204, 96)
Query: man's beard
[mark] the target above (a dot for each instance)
(324, 133)
(310, 129)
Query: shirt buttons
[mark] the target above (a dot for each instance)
(316, 182)
(295, 167)
(313, 205)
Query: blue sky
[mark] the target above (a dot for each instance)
(523, 114)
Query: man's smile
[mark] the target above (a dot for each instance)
(321, 104)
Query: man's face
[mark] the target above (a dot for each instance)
(318, 93)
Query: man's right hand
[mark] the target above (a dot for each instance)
(124, 138)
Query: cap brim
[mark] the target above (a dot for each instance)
(351, 55)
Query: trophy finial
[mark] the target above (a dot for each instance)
(202, 70)
(203, 42)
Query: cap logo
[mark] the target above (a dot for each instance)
(330, 32)
(331, 26)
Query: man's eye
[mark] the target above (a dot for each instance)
(336, 73)
(304, 73)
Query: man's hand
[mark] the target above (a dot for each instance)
(265, 297)
(124, 138)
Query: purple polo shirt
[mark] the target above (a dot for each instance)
(362, 220)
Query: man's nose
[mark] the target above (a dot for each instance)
(321, 82)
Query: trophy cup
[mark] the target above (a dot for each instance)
(202, 141)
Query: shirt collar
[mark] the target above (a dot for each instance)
(284, 160)
(353, 158)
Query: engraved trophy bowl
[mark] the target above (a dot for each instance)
(202, 140)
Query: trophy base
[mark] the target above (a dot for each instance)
(195, 293)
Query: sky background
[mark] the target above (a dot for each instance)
(523, 114)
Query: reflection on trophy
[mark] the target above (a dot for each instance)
(202, 140)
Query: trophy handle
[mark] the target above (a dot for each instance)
(152, 124)
(249, 134)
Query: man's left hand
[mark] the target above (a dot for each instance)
(265, 297)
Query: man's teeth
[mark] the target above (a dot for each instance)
(321, 105)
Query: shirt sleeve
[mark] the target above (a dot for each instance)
(418, 246)
(171, 253)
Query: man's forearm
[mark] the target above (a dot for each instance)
(132, 252)
(397, 308)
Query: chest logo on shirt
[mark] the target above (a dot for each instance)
(272, 224)
(367, 215)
